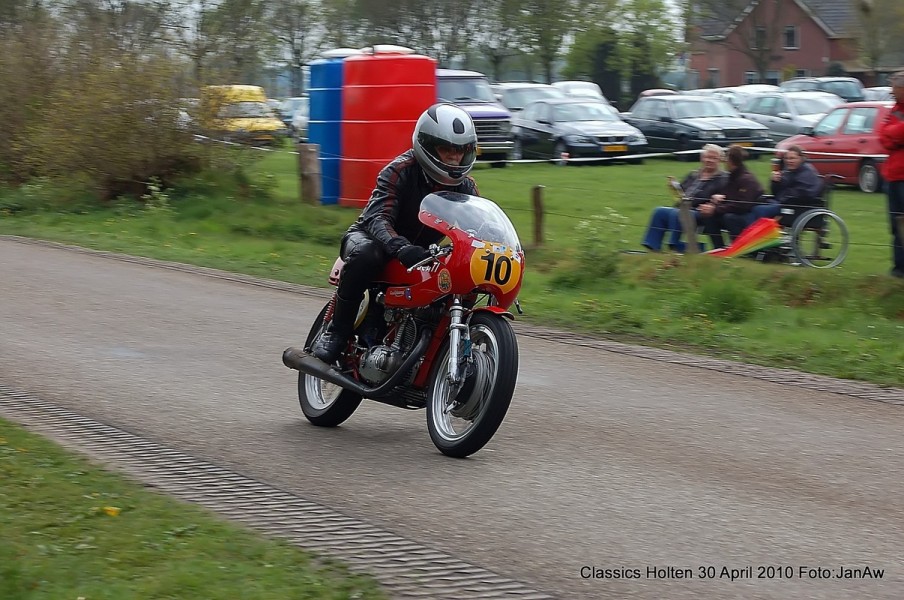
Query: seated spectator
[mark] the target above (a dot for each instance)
(741, 193)
(797, 186)
(698, 186)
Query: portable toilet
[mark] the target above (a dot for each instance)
(385, 90)
(325, 117)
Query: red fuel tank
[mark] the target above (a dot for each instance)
(384, 92)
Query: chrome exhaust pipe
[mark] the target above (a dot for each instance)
(306, 363)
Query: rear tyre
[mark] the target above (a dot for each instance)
(324, 404)
(868, 178)
(462, 419)
(819, 239)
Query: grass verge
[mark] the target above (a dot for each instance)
(71, 530)
(843, 322)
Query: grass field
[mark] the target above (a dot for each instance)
(73, 531)
(846, 322)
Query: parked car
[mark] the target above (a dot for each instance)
(299, 125)
(471, 91)
(680, 122)
(845, 142)
(576, 127)
(288, 107)
(784, 113)
(516, 95)
(881, 92)
(848, 88)
(581, 89)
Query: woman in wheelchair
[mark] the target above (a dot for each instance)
(797, 187)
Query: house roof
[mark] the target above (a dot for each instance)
(835, 17)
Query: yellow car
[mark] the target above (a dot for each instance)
(241, 114)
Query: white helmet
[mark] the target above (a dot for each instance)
(445, 125)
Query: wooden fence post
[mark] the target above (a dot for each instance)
(309, 172)
(689, 225)
(538, 215)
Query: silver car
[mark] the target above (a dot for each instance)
(784, 113)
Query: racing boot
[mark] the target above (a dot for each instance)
(330, 345)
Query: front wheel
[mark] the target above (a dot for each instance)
(462, 418)
(324, 404)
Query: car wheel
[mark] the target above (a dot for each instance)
(560, 154)
(868, 178)
(517, 149)
(683, 145)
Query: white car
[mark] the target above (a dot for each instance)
(581, 89)
(300, 120)
(785, 113)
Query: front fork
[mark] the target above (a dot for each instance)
(459, 341)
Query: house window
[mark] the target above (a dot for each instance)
(773, 77)
(759, 38)
(751, 77)
(713, 78)
(791, 41)
(801, 73)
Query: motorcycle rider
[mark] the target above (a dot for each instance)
(444, 149)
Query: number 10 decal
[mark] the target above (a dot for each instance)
(495, 267)
(501, 273)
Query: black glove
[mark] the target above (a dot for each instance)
(411, 255)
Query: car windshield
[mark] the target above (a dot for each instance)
(478, 216)
(845, 89)
(523, 97)
(815, 106)
(465, 89)
(245, 110)
(583, 112)
(704, 108)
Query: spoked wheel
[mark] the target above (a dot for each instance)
(819, 238)
(323, 403)
(462, 418)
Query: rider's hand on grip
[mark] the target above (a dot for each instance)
(411, 255)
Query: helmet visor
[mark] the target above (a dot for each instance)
(451, 156)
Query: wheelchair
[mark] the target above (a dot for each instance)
(811, 236)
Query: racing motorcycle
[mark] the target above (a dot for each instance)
(435, 335)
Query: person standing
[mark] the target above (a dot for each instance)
(891, 136)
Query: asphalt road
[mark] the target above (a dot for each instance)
(606, 461)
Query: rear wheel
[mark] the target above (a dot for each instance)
(324, 404)
(868, 178)
(819, 238)
(462, 418)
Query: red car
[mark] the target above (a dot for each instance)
(846, 142)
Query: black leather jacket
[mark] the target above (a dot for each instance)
(390, 216)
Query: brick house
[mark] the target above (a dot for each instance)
(769, 41)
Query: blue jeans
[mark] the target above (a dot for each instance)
(664, 220)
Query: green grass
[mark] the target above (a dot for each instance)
(844, 322)
(73, 531)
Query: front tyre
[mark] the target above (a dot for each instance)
(324, 404)
(461, 419)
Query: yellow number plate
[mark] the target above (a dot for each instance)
(497, 265)
(619, 148)
(745, 143)
(478, 151)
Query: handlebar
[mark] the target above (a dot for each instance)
(435, 251)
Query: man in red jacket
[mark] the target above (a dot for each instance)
(891, 135)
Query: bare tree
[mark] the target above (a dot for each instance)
(296, 25)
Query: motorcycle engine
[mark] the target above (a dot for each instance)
(379, 362)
